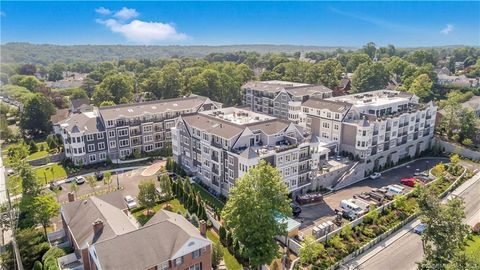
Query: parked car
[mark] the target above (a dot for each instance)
(99, 176)
(130, 202)
(375, 175)
(80, 180)
(420, 228)
(53, 185)
(410, 182)
(296, 210)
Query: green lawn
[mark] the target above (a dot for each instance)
(230, 262)
(207, 197)
(142, 219)
(473, 246)
(37, 155)
(58, 173)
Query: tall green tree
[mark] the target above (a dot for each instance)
(368, 77)
(55, 71)
(147, 195)
(256, 201)
(119, 86)
(328, 72)
(45, 207)
(445, 232)
(356, 59)
(421, 86)
(166, 186)
(310, 250)
(36, 115)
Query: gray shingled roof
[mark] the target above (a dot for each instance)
(80, 215)
(77, 103)
(152, 107)
(86, 122)
(334, 106)
(157, 241)
(270, 127)
(295, 89)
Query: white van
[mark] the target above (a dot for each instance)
(348, 206)
(395, 190)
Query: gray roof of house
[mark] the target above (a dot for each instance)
(270, 127)
(87, 122)
(152, 107)
(80, 215)
(334, 106)
(76, 103)
(156, 242)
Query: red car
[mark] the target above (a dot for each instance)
(410, 182)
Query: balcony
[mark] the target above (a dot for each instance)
(215, 158)
(375, 132)
(388, 129)
(304, 157)
(428, 117)
(215, 170)
(303, 169)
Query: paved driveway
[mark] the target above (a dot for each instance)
(128, 180)
(315, 214)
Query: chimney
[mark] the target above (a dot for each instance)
(203, 228)
(71, 197)
(97, 226)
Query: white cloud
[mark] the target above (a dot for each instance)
(144, 32)
(103, 11)
(126, 13)
(447, 29)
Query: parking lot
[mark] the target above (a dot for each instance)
(314, 214)
(127, 180)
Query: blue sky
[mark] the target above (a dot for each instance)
(222, 23)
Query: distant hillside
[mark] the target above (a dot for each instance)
(42, 54)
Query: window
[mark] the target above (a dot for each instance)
(329, 115)
(125, 152)
(102, 156)
(100, 135)
(110, 123)
(169, 124)
(92, 158)
(123, 132)
(337, 116)
(89, 137)
(101, 145)
(364, 133)
(91, 147)
(197, 266)
(147, 129)
(178, 261)
(123, 143)
(111, 134)
(148, 138)
(196, 254)
(113, 144)
(149, 148)
(335, 127)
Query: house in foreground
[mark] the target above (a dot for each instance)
(105, 236)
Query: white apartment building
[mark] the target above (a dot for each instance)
(380, 126)
(219, 146)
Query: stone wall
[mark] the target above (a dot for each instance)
(457, 149)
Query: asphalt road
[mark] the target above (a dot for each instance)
(407, 250)
(317, 213)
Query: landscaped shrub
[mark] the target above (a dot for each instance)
(222, 233)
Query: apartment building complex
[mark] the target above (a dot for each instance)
(104, 236)
(91, 135)
(219, 146)
(380, 126)
(281, 99)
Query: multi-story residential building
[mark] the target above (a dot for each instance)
(219, 146)
(117, 131)
(380, 126)
(281, 99)
(104, 236)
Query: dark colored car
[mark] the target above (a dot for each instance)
(99, 176)
(296, 210)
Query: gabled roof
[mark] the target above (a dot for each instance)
(77, 103)
(213, 125)
(87, 122)
(80, 215)
(156, 242)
